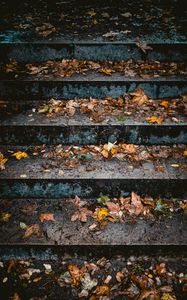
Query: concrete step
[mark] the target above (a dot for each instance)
(155, 22)
(136, 262)
(92, 85)
(166, 227)
(80, 129)
(51, 175)
(38, 51)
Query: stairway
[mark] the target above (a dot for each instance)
(93, 150)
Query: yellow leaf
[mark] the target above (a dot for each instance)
(109, 150)
(19, 155)
(164, 103)
(106, 71)
(185, 153)
(5, 216)
(37, 279)
(154, 119)
(102, 214)
(168, 296)
(3, 161)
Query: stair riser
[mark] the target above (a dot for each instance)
(38, 52)
(90, 135)
(54, 252)
(46, 188)
(42, 90)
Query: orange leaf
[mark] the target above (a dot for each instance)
(102, 214)
(32, 229)
(76, 274)
(102, 290)
(164, 103)
(154, 119)
(47, 217)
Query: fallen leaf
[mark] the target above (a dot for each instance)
(165, 103)
(139, 97)
(102, 214)
(109, 150)
(142, 45)
(87, 282)
(3, 161)
(82, 215)
(185, 153)
(168, 296)
(33, 229)
(106, 71)
(37, 279)
(102, 290)
(15, 297)
(155, 119)
(119, 276)
(46, 217)
(5, 217)
(76, 274)
(19, 155)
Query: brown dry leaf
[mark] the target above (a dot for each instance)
(82, 215)
(139, 97)
(184, 207)
(114, 208)
(46, 217)
(143, 46)
(153, 294)
(119, 276)
(165, 103)
(135, 207)
(15, 297)
(3, 103)
(3, 161)
(76, 274)
(155, 119)
(33, 229)
(11, 265)
(19, 155)
(102, 290)
(161, 269)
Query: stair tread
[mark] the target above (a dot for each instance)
(135, 230)
(95, 166)
(87, 23)
(46, 271)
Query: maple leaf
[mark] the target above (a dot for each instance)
(3, 161)
(19, 155)
(143, 46)
(46, 217)
(139, 97)
(33, 229)
(76, 274)
(155, 119)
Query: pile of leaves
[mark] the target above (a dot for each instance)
(136, 104)
(72, 156)
(131, 208)
(136, 277)
(67, 68)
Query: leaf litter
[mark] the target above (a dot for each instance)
(133, 105)
(135, 277)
